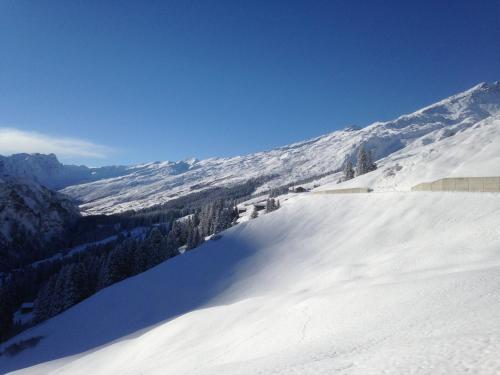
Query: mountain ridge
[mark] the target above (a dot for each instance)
(114, 189)
(151, 184)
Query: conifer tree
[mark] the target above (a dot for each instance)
(370, 163)
(365, 162)
(362, 162)
(348, 171)
(271, 205)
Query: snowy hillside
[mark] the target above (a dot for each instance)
(153, 183)
(363, 284)
(473, 152)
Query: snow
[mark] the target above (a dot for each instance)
(472, 152)
(357, 284)
(392, 282)
(154, 183)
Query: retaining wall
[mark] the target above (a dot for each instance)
(344, 191)
(469, 184)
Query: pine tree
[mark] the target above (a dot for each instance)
(104, 278)
(271, 205)
(43, 301)
(365, 162)
(192, 237)
(206, 217)
(69, 294)
(141, 260)
(254, 214)
(153, 249)
(370, 163)
(173, 242)
(6, 312)
(348, 170)
(361, 163)
(166, 250)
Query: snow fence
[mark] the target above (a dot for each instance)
(344, 191)
(470, 184)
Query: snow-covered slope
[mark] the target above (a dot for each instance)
(154, 183)
(473, 152)
(392, 283)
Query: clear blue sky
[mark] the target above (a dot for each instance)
(158, 80)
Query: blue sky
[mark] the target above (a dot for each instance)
(120, 82)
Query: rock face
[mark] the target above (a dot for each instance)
(48, 171)
(31, 218)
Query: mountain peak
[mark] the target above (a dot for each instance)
(483, 86)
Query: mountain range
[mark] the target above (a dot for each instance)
(115, 189)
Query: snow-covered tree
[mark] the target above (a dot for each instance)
(272, 205)
(371, 164)
(365, 162)
(348, 170)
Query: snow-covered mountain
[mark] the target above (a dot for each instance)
(48, 171)
(150, 184)
(31, 216)
(390, 282)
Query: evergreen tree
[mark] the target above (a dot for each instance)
(191, 239)
(166, 250)
(70, 292)
(365, 162)
(153, 248)
(348, 171)
(371, 164)
(43, 301)
(173, 242)
(362, 161)
(271, 205)
(104, 278)
(6, 313)
(254, 214)
(194, 238)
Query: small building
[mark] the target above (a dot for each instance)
(300, 189)
(260, 206)
(27, 307)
